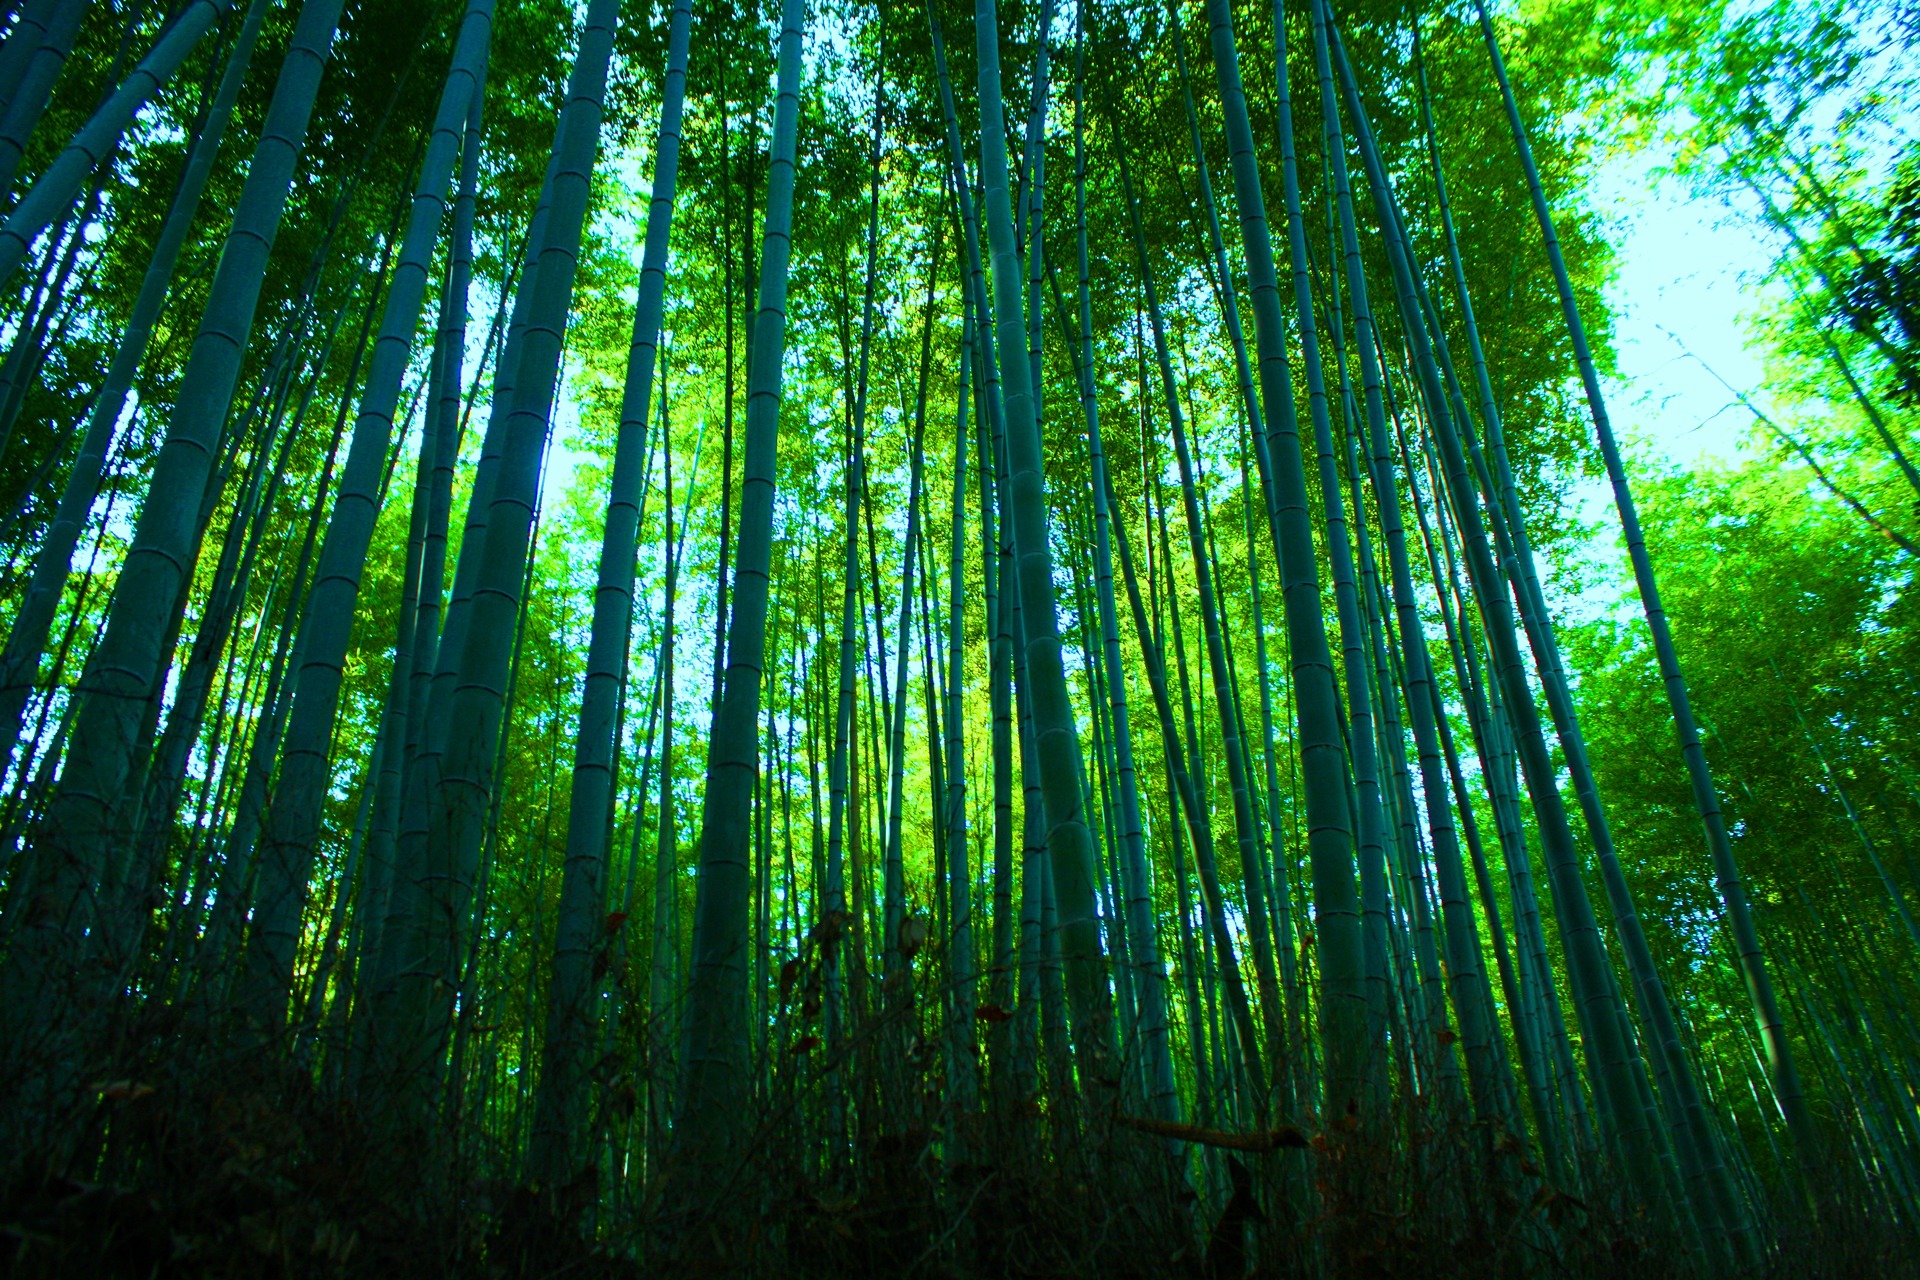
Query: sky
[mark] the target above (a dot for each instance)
(1686, 276)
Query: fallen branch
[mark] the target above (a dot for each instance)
(1273, 1140)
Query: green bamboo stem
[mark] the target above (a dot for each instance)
(713, 1107)
(1068, 841)
(1338, 935)
(1706, 799)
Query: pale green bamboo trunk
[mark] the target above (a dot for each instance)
(1370, 815)
(1130, 848)
(1463, 974)
(53, 562)
(77, 841)
(1069, 843)
(462, 788)
(578, 933)
(1610, 1058)
(53, 191)
(963, 1084)
(1338, 938)
(718, 1083)
(46, 47)
(292, 826)
(1706, 798)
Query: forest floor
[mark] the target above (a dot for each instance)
(248, 1181)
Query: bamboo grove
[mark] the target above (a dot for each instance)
(859, 640)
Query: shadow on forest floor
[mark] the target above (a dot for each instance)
(259, 1175)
